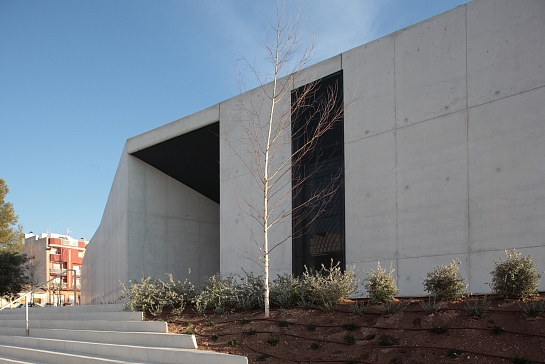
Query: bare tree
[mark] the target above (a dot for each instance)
(272, 146)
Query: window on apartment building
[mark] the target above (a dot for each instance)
(318, 227)
(80, 254)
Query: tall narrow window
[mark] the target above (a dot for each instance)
(318, 177)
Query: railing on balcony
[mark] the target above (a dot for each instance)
(55, 257)
(55, 270)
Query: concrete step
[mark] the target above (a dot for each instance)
(137, 326)
(97, 334)
(7, 360)
(131, 352)
(121, 338)
(8, 353)
(44, 314)
(68, 309)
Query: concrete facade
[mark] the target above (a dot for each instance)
(444, 159)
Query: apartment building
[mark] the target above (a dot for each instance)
(51, 254)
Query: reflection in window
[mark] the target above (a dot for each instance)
(318, 227)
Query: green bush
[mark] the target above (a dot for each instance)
(515, 277)
(219, 292)
(153, 295)
(327, 286)
(445, 282)
(476, 307)
(381, 285)
(286, 291)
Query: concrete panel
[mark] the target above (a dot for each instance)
(191, 122)
(156, 191)
(369, 83)
(430, 67)
(209, 264)
(370, 202)
(239, 189)
(507, 172)
(413, 271)
(136, 243)
(505, 48)
(173, 129)
(239, 250)
(432, 187)
(319, 70)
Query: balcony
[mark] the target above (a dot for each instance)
(55, 271)
(55, 257)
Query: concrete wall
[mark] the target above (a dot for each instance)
(105, 261)
(445, 143)
(444, 153)
(172, 228)
(152, 224)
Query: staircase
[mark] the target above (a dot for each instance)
(96, 334)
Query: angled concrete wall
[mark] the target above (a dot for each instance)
(152, 224)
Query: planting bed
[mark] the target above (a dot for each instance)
(411, 336)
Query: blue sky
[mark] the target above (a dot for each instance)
(78, 78)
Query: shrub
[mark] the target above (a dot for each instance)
(439, 329)
(219, 292)
(273, 341)
(359, 308)
(386, 342)
(478, 308)
(327, 286)
(445, 282)
(454, 353)
(381, 285)
(246, 320)
(216, 293)
(349, 339)
(350, 326)
(285, 291)
(533, 308)
(515, 277)
(251, 332)
(153, 295)
(430, 307)
(233, 342)
(521, 360)
(392, 307)
(496, 330)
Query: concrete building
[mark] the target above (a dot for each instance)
(50, 254)
(443, 155)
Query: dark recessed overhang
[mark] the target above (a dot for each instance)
(191, 158)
